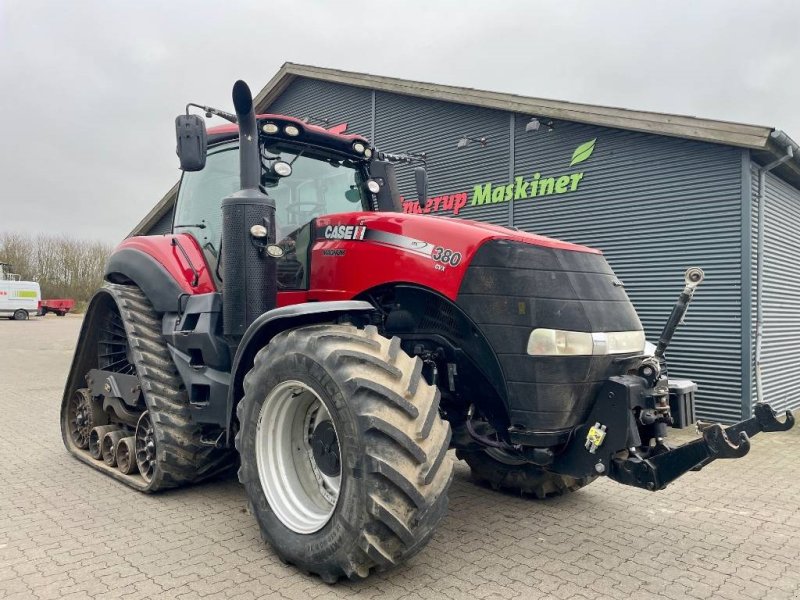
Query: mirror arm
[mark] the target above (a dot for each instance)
(211, 111)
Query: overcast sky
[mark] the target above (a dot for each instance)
(89, 89)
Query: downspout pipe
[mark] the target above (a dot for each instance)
(780, 138)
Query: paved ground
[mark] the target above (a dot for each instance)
(68, 531)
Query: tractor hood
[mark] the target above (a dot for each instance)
(508, 284)
(395, 247)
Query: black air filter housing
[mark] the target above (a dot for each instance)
(248, 274)
(512, 288)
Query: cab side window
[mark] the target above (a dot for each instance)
(198, 209)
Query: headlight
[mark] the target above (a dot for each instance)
(373, 186)
(258, 231)
(554, 342)
(282, 169)
(291, 130)
(367, 152)
(359, 147)
(274, 251)
(269, 128)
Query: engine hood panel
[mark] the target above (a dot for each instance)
(353, 252)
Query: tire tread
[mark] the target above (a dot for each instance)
(182, 458)
(405, 440)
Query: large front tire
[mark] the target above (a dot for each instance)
(390, 490)
(503, 472)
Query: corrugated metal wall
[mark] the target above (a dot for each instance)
(407, 124)
(318, 100)
(781, 293)
(163, 225)
(655, 205)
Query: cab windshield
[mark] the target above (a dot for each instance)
(318, 185)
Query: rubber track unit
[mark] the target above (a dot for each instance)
(526, 479)
(181, 458)
(398, 467)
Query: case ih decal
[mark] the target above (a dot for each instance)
(519, 189)
(344, 232)
(360, 233)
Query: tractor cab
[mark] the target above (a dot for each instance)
(307, 170)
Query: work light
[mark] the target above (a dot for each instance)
(282, 169)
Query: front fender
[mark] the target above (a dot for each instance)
(128, 265)
(273, 322)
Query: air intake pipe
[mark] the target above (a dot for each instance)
(249, 283)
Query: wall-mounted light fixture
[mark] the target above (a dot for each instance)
(465, 140)
(534, 125)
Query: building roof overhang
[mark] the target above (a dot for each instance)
(765, 143)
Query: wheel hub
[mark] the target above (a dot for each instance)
(80, 418)
(325, 447)
(145, 446)
(298, 457)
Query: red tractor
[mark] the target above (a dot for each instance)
(336, 348)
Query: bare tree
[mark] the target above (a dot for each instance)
(65, 267)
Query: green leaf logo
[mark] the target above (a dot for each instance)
(583, 152)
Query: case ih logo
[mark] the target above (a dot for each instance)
(519, 189)
(345, 232)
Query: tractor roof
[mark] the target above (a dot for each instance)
(333, 136)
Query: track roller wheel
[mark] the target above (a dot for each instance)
(96, 440)
(343, 451)
(145, 447)
(108, 446)
(126, 455)
(83, 413)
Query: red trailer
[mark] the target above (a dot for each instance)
(59, 306)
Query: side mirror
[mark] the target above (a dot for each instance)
(190, 131)
(421, 181)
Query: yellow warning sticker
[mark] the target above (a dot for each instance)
(595, 436)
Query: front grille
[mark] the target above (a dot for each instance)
(512, 288)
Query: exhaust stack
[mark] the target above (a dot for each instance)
(249, 281)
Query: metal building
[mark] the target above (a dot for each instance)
(657, 193)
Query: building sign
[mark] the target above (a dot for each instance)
(521, 188)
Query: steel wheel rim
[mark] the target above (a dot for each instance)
(79, 417)
(145, 445)
(291, 422)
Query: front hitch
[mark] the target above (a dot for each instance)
(624, 434)
(656, 471)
